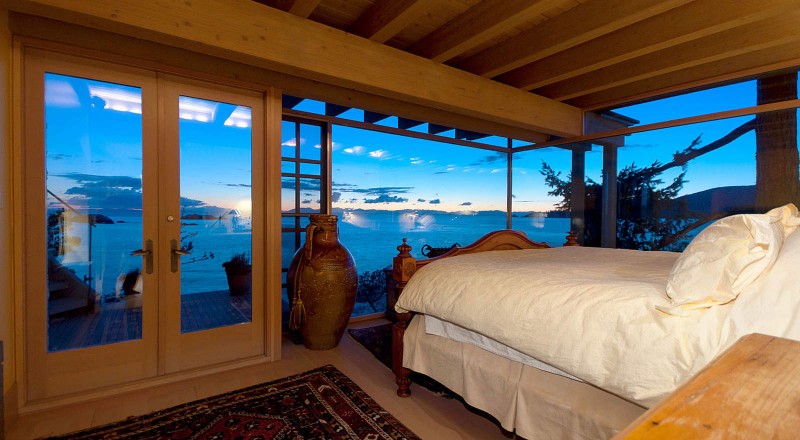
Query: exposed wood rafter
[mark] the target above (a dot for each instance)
(477, 25)
(247, 32)
(677, 26)
(749, 65)
(386, 18)
(579, 25)
(752, 38)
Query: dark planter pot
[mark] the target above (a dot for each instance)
(325, 274)
(240, 280)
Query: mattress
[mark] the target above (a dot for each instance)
(589, 312)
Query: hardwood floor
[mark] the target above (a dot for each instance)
(428, 415)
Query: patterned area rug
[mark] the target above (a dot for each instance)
(378, 340)
(319, 404)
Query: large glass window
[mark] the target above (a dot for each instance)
(388, 187)
(304, 188)
(93, 162)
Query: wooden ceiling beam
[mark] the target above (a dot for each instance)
(288, 101)
(300, 8)
(372, 117)
(386, 18)
(97, 44)
(477, 25)
(680, 25)
(753, 37)
(785, 57)
(578, 25)
(246, 32)
(335, 109)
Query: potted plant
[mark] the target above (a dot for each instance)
(238, 270)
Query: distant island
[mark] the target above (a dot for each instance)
(199, 217)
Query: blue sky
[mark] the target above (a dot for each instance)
(94, 152)
(94, 156)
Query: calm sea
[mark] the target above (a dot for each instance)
(371, 237)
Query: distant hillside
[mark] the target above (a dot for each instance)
(726, 198)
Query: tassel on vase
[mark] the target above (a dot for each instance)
(297, 314)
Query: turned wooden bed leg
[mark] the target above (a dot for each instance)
(403, 266)
(402, 375)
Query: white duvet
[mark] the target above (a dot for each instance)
(590, 312)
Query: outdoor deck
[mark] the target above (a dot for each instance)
(119, 321)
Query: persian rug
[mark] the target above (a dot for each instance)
(321, 404)
(378, 341)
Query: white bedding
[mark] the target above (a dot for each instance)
(590, 312)
(435, 326)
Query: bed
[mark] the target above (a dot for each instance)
(573, 342)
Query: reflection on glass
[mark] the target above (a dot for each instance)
(216, 214)
(93, 148)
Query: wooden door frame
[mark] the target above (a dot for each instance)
(123, 361)
(181, 351)
(272, 238)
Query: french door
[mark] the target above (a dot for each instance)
(144, 220)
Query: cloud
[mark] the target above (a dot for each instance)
(113, 194)
(377, 154)
(466, 204)
(492, 158)
(497, 170)
(292, 142)
(58, 156)
(238, 185)
(336, 146)
(440, 172)
(417, 161)
(305, 184)
(343, 186)
(383, 190)
(335, 196)
(356, 149)
(421, 200)
(385, 198)
(96, 181)
(435, 202)
(306, 201)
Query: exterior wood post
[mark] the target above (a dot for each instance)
(608, 231)
(578, 193)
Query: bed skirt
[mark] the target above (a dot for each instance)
(533, 403)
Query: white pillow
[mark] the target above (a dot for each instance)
(726, 257)
(771, 305)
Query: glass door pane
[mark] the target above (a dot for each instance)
(93, 202)
(216, 213)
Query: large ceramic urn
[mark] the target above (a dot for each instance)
(322, 283)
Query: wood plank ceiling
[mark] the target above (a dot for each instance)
(592, 54)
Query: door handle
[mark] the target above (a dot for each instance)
(147, 253)
(175, 255)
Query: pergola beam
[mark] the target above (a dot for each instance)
(477, 25)
(250, 33)
(300, 8)
(750, 65)
(677, 26)
(596, 18)
(386, 18)
(754, 37)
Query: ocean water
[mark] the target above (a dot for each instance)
(371, 237)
